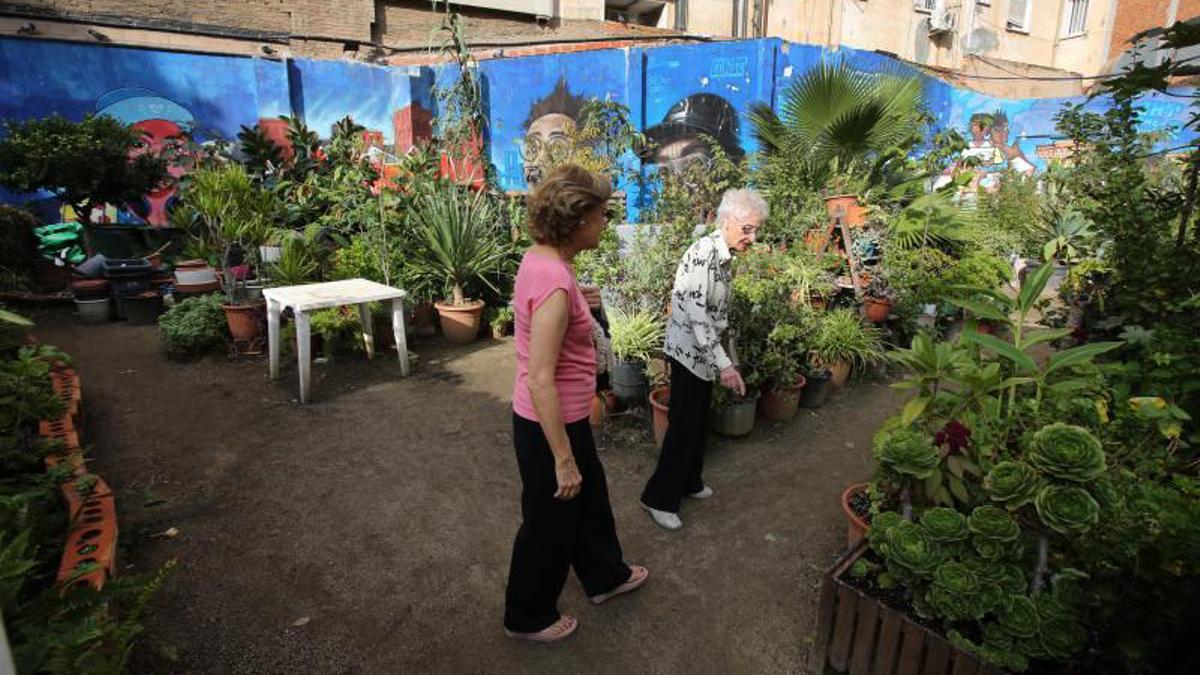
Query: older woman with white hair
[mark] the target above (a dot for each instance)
(696, 356)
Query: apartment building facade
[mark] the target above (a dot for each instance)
(992, 40)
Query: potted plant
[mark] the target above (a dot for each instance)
(635, 337)
(816, 387)
(777, 370)
(234, 215)
(732, 415)
(841, 341)
(660, 405)
(458, 244)
(877, 300)
(503, 322)
(856, 506)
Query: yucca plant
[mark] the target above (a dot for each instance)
(458, 240)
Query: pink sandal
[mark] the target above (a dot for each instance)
(636, 579)
(555, 632)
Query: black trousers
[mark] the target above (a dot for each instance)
(681, 462)
(556, 535)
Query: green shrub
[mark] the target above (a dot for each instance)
(194, 326)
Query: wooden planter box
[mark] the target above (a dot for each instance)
(858, 634)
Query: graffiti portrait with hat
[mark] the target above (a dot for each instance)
(678, 140)
(548, 130)
(166, 127)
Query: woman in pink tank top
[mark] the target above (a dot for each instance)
(567, 520)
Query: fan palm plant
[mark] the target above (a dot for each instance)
(458, 240)
(834, 113)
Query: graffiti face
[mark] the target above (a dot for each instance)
(165, 127)
(682, 138)
(547, 143)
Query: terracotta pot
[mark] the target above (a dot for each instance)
(986, 328)
(839, 372)
(781, 404)
(660, 402)
(877, 309)
(88, 289)
(598, 411)
(423, 319)
(855, 213)
(460, 323)
(243, 320)
(856, 528)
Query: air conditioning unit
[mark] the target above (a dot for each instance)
(941, 20)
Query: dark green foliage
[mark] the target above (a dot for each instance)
(194, 326)
(95, 161)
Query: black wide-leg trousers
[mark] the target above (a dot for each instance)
(681, 461)
(556, 535)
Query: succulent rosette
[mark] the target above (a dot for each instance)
(1014, 484)
(954, 594)
(909, 548)
(1020, 618)
(990, 523)
(1067, 510)
(945, 525)
(909, 453)
(1067, 452)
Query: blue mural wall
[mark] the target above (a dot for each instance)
(674, 94)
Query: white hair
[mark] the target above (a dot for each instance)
(742, 204)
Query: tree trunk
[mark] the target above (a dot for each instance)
(1189, 200)
(458, 297)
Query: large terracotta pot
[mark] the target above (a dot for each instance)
(839, 372)
(877, 309)
(423, 319)
(856, 527)
(243, 320)
(855, 213)
(660, 402)
(780, 405)
(460, 323)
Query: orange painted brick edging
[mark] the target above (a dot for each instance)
(90, 554)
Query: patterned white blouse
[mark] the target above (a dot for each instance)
(700, 308)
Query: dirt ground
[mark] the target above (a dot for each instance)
(370, 531)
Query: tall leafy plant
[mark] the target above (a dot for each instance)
(457, 241)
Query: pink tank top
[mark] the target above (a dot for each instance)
(537, 279)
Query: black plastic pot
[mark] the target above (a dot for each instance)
(143, 309)
(816, 390)
(628, 380)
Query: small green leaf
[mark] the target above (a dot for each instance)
(933, 482)
(1037, 337)
(959, 490)
(913, 410)
(1080, 354)
(1022, 360)
(972, 468)
(1032, 289)
(982, 310)
(955, 465)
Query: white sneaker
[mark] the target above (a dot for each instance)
(704, 493)
(665, 519)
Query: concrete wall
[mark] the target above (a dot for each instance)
(674, 93)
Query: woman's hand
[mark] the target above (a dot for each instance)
(732, 379)
(569, 480)
(592, 295)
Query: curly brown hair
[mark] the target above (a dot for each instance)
(558, 203)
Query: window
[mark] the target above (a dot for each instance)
(924, 5)
(1075, 21)
(1018, 15)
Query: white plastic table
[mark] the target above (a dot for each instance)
(308, 297)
